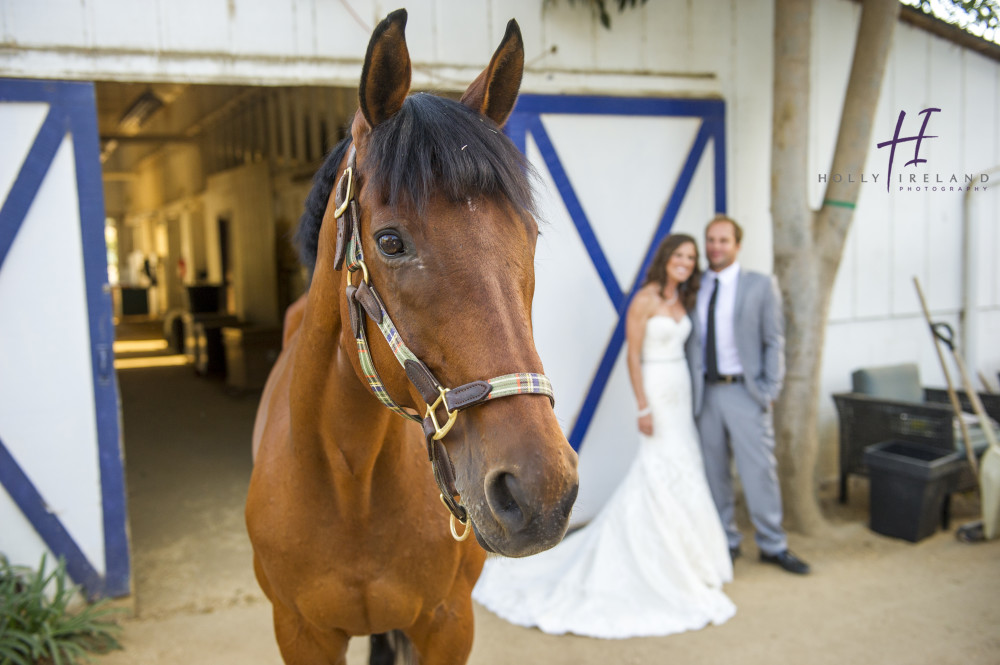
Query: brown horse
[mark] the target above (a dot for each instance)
(425, 248)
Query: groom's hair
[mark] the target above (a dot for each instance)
(722, 217)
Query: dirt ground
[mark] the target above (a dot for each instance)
(870, 599)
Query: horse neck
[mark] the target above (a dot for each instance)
(333, 414)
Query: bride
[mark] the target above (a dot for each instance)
(654, 559)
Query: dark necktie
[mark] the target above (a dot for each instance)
(711, 357)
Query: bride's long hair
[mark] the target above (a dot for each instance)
(657, 273)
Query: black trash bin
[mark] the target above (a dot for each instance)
(204, 298)
(135, 300)
(910, 484)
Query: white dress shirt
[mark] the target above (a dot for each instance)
(725, 306)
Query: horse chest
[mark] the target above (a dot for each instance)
(372, 582)
(365, 568)
(383, 598)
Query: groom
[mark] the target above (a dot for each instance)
(742, 331)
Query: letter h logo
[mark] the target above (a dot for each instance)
(916, 148)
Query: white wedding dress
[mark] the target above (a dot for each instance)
(654, 559)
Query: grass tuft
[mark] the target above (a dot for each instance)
(36, 624)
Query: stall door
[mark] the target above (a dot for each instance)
(60, 450)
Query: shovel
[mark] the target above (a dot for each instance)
(989, 471)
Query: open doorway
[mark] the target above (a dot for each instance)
(209, 180)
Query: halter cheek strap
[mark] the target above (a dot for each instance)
(365, 301)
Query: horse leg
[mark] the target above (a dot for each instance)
(444, 637)
(301, 644)
(393, 648)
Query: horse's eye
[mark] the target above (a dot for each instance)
(390, 244)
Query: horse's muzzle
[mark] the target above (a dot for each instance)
(524, 527)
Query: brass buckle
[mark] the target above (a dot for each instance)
(454, 530)
(349, 194)
(439, 432)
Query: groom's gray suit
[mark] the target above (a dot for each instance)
(737, 417)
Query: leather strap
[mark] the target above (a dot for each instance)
(422, 378)
(468, 395)
(366, 295)
(346, 187)
(352, 308)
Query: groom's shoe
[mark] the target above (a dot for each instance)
(788, 561)
(735, 553)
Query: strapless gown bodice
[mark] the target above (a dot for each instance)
(664, 339)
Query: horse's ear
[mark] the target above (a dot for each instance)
(494, 92)
(385, 76)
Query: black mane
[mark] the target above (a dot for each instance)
(432, 145)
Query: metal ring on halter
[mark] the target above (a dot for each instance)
(364, 270)
(348, 194)
(454, 529)
(439, 431)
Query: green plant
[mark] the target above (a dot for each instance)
(36, 626)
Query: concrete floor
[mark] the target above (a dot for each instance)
(188, 463)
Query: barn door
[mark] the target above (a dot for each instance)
(617, 175)
(60, 450)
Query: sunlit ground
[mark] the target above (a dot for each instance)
(140, 345)
(145, 353)
(152, 361)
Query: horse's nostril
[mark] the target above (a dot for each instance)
(501, 493)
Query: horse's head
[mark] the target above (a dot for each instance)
(448, 236)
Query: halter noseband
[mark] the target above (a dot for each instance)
(363, 299)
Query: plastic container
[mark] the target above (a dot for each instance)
(910, 484)
(204, 298)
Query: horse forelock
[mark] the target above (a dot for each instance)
(433, 146)
(436, 146)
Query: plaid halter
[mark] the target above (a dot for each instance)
(364, 300)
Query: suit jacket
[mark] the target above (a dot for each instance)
(760, 340)
(695, 361)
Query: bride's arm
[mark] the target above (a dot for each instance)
(638, 313)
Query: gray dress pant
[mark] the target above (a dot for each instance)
(731, 422)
